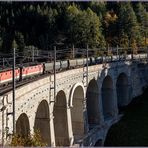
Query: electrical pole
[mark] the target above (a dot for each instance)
(87, 65)
(32, 54)
(107, 49)
(3, 62)
(54, 67)
(146, 46)
(13, 94)
(73, 51)
(117, 53)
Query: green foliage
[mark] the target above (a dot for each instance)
(84, 27)
(142, 17)
(99, 8)
(128, 24)
(7, 39)
(110, 27)
(44, 24)
(20, 41)
(30, 140)
(14, 45)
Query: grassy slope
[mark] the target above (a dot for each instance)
(132, 129)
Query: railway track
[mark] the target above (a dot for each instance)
(5, 89)
(9, 87)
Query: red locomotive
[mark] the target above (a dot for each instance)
(20, 73)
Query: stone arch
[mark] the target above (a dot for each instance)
(77, 112)
(92, 96)
(107, 97)
(22, 125)
(60, 120)
(42, 121)
(72, 92)
(122, 89)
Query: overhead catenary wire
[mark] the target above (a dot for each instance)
(65, 53)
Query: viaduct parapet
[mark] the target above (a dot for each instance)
(83, 109)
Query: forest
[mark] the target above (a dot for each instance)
(43, 25)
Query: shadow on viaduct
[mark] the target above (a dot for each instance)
(80, 114)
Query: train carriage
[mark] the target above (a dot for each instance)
(64, 64)
(49, 67)
(98, 60)
(80, 62)
(92, 61)
(30, 70)
(72, 63)
(58, 66)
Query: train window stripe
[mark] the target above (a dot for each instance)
(32, 73)
(10, 79)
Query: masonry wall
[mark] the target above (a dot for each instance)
(30, 96)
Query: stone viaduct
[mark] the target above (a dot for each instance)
(84, 108)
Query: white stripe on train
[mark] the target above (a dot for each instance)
(24, 75)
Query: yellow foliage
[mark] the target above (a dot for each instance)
(110, 17)
(29, 140)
